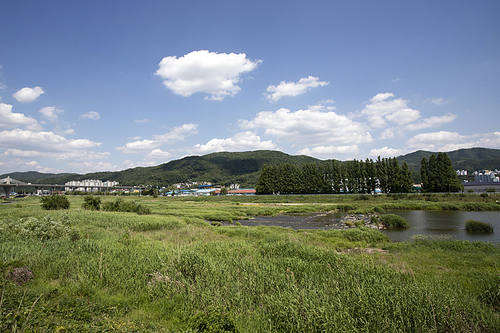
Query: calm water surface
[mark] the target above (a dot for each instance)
(447, 223)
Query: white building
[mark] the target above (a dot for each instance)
(485, 176)
(93, 184)
(461, 172)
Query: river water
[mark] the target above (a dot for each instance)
(428, 223)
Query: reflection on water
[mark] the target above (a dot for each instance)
(443, 223)
(448, 223)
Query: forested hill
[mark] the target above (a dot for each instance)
(470, 159)
(244, 167)
(224, 167)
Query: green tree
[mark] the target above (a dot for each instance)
(406, 178)
(424, 174)
(432, 174)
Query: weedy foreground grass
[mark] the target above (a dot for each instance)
(172, 272)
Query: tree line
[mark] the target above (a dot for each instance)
(438, 174)
(356, 176)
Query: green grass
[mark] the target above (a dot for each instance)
(171, 271)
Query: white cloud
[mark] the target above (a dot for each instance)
(92, 115)
(158, 153)
(25, 140)
(240, 142)
(448, 141)
(28, 95)
(140, 146)
(92, 166)
(381, 109)
(177, 134)
(490, 140)
(403, 116)
(50, 113)
(385, 152)
(435, 140)
(145, 120)
(292, 88)
(128, 164)
(438, 101)
(146, 145)
(314, 126)
(432, 122)
(388, 133)
(216, 74)
(322, 151)
(11, 120)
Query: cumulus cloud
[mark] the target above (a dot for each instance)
(147, 145)
(28, 95)
(92, 115)
(25, 140)
(448, 141)
(92, 166)
(50, 113)
(292, 88)
(383, 109)
(432, 122)
(216, 74)
(11, 120)
(240, 142)
(127, 164)
(435, 140)
(314, 126)
(385, 152)
(158, 153)
(329, 150)
(177, 134)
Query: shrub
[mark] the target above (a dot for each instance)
(91, 202)
(484, 195)
(238, 224)
(490, 189)
(394, 221)
(477, 226)
(119, 205)
(55, 202)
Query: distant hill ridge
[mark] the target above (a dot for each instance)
(243, 167)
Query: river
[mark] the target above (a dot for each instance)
(428, 223)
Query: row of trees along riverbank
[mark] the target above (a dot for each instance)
(438, 174)
(357, 176)
(336, 177)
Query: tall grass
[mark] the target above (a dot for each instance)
(172, 271)
(478, 226)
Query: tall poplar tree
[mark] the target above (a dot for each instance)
(424, 174)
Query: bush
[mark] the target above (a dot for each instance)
(91, 202)
(394, 221)
(490, 190)
(477, 226)
(125, 206)
(55, 202)
(484, 195)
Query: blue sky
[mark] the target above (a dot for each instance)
(109, 85)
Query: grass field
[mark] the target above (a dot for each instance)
(171, 271)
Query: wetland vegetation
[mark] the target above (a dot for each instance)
(171, 271)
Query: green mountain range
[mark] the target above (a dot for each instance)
(244, 168)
